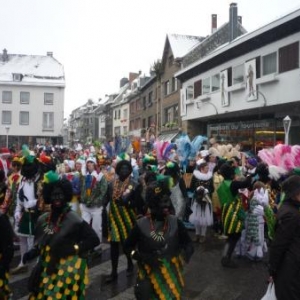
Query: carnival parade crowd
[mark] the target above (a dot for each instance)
(58, 205)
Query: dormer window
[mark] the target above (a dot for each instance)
(17, 77)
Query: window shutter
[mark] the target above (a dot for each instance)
(257, 62)
(229, 74)
(197, 88)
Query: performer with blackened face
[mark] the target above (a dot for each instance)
(125, 205)
(160, 244)
(62, 239)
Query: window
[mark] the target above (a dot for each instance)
(174, 84)
(117, 130)
(119, 113)
(48, 120)
(125, 113)
(215, 82)
(144, 123)
(24, 97)
(238, 75)
(150, 121)
(176, 114)
(132, 108)
(167, 87)
(6, 97)
(115, 114)
(171, 59)
(189, 92)
(144, 102)
(6, 117)
(197, 88)
(138, 105)
(24, 117)
(150, 98)
(169, 114)
(125, 130)
(289, 57)
(206, 86)
(269, 63)
(48, 98)
(17, 77)
(102, 132)
(131, 125)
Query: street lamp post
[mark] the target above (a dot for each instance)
(7, 130)
(286, 125)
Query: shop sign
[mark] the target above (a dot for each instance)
(242, 125)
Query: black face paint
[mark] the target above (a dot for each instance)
(162, 208)
(58, 198)
(124, 172)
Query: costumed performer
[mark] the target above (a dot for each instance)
(6, 255)
(284, 259)
(62, 239)
(26, 212)
(233, 214)
(125, 204)
(160, 244)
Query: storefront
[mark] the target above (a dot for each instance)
(251, 135)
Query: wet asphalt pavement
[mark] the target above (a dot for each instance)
(205, 278)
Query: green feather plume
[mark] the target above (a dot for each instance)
(51, 177)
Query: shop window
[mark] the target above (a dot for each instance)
(289, 57)
(197, 88)
(269, 63)
(215, 82)
(24, 117)
(189, 92)
(238, 74)
(206, 86)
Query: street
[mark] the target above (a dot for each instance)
(205, 278)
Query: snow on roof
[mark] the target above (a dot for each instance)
(34, 68)
(182, 44)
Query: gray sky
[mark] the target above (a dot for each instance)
(101, 41)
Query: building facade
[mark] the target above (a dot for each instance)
(32, 99)
(241, 92)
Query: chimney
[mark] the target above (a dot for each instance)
(240, 19)
(123, 81)
(50, 54)
(4, 55)
(132, 76)
(214, 24)
(233, 20)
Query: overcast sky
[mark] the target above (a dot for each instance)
(100, 41)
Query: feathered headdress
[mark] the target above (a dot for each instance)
(27, 156)
(184, 147)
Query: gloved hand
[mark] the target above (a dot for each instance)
(147, 258)
(30, 255)
(258, 210)
(17, 216)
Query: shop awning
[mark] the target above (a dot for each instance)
(168, 137)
